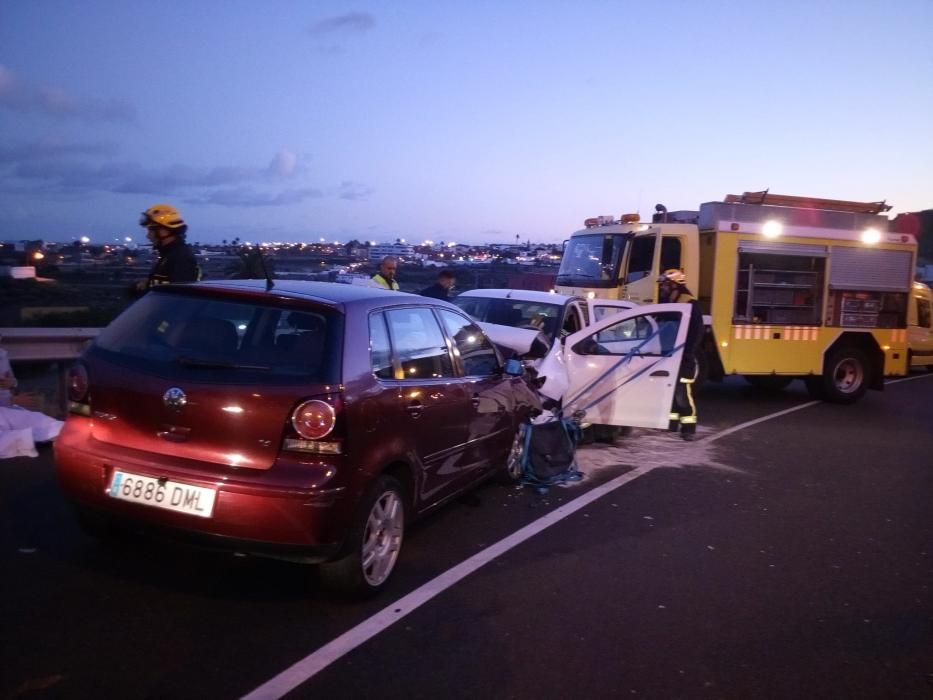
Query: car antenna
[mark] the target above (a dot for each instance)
(265, 271)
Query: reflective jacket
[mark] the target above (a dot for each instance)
(383, 282)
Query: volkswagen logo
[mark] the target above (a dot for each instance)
(175, 398)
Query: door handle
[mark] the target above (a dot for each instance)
(415, 408)
(475, 400)
(660, 373)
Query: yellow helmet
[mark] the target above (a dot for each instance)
(673, 275)
(162, 215)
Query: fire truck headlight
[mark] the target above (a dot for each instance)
(772, 229)
(871, 236)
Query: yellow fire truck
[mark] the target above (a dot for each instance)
(792, 287)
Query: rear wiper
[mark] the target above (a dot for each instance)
(185, 361)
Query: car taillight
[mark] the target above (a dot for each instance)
(78, 388)
(314, 419)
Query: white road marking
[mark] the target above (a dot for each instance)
(317, 661)
(911, 377)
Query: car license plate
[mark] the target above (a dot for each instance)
(171, 495)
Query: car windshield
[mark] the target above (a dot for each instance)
(592, 260)
(204, 336)
(512, 312)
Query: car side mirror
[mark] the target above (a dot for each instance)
(513, 367)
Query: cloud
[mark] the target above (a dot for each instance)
(350, 23)
(52, 147)
(354, 191)
(284, 164)
(19, 96)
(251, 197)
(52, 167)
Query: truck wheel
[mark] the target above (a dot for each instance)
(846, 375)
(373, 545)
(768, 383)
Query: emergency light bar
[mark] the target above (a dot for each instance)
(594, 221)
(604, 220)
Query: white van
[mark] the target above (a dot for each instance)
(920, 326)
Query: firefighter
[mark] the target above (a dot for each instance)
(672, 288)
(166, 230)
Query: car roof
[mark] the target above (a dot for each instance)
(520, 295)
(332, 293)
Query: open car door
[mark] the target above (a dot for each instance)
(623, 370)
(603, 308)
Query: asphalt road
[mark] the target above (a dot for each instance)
(790, 558)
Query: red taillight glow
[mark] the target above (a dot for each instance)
(77, 383)
(314, 419)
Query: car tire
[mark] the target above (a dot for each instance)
(846, 375)
(513, 470)
(373, 545)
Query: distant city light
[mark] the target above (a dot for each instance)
(128, 239)
(85, 240)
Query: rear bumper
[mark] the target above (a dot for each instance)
(108, 520)
(268, 514)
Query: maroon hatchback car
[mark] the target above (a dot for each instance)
(309, 421)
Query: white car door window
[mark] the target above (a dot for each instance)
(603, 308)
(623, 370)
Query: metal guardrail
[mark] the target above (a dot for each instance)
(59, 346)
(46, 344)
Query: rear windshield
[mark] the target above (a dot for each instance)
(244, 341)
(511, 312)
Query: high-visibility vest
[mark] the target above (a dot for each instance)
(383, 282)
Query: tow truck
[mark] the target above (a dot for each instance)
(791, 287)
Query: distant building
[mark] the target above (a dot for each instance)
(398, 250)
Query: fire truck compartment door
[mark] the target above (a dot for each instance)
(624, 369)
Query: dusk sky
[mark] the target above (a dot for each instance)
(458, 121)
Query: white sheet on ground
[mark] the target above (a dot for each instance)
(20, 430)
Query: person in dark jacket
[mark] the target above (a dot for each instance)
(672, 288)
(166, 230)
(441, 288)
